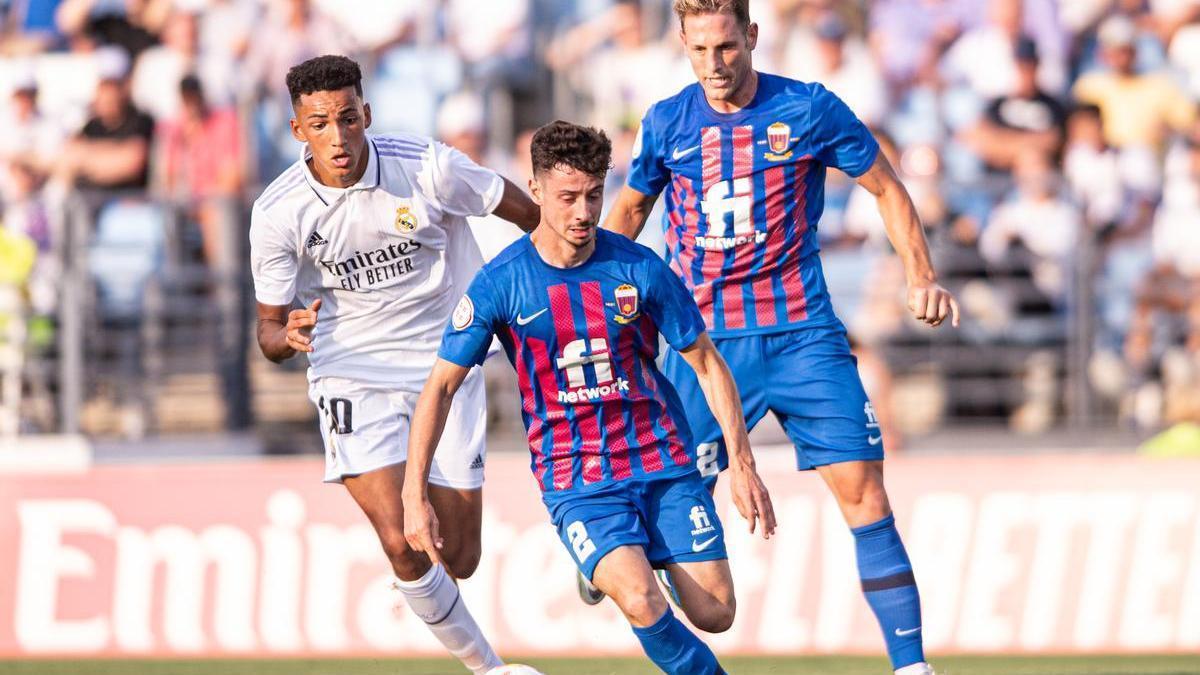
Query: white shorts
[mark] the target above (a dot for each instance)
(365, 427)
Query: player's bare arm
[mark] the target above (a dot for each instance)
(517, 208)
(629, 212)
(749, 493)
(282, 333)
(428, 421)
(928, 300)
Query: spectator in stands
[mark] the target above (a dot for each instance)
(1091, 168)
(112, 150)
(909, 37)
(986, 58)
(29, 136)
(1139, 109)
(132, 25)
(201, 161)
(844, 65)
(611, 61)
(1019, 120)
(493, 38)
(156, 75)
(1037, 220)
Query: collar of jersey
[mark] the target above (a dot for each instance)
(328, 195)
(736, 116)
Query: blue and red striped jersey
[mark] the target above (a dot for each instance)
(744, 192)
(584, 341)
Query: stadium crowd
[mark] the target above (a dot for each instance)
(1052, 147)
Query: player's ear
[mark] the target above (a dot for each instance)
(366, 115)
(297, 133)
(752, 35)
(535, 190)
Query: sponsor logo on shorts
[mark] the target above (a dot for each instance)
(698, 546)
(701, 523)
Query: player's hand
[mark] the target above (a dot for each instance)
(421, 528)
(300, 327)
(932, 304)
(751, 498)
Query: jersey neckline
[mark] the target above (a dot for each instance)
(738, 115)
(531, 249)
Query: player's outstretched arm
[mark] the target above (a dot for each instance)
(927, 299)
(282, 333)
(428, 421)
(749, 493)
(629, 212)
(517, 208)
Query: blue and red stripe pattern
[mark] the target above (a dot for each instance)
(743, 192)
(584, 342)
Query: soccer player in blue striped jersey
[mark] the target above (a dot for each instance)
(742, 157)
(580, 312)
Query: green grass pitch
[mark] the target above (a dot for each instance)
(833, 665)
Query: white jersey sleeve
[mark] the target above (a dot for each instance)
(460, 186)
(273, 260)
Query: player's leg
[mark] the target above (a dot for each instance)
(365, 433)
(429, 590)
(687, 540)
(625, 575)
(820, 401)
(606, 536)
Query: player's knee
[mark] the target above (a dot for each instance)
(464, 562)
(865, 499)
(407, 564)
(717, 617)
(643, 608)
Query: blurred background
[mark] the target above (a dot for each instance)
(1052, 148)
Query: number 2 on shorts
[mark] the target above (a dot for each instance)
(581, 543)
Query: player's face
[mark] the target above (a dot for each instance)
(334, 124)
(571, 201)
(719, 50)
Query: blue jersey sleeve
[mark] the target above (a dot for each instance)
(841, 139)
(671, 306)
(648, 173)
(472, 324)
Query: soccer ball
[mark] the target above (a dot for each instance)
(514, 669)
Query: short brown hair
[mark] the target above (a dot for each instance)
(740, 9)
(562, 144)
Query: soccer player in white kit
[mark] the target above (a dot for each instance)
(369, 233)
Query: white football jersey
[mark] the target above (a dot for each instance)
(389, 257)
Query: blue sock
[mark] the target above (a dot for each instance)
(891, 590)
(675, 649)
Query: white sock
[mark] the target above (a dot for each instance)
(921, 668)
(436, 600)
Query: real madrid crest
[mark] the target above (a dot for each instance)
(406, 220)
(627, 303)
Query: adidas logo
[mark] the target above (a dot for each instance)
(478, 463)
(315, 239)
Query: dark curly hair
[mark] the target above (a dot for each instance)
(562, 144)
(323, 73)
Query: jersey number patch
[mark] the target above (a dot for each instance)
(339, 413)
(581, 543)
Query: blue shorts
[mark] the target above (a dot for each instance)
(807, 377)
(674, 520)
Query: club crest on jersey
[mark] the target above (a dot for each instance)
(406, 220)
(627, 303)
(779, 142)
